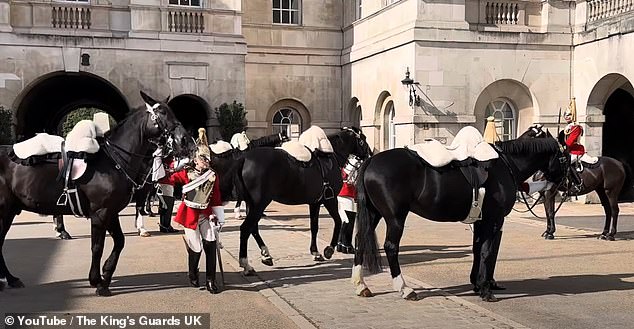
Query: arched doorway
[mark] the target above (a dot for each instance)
(191, 110)
(43, 105)
(617, 137)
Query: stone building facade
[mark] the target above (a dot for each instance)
(296, 63)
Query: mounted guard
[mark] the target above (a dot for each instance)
(570, 137)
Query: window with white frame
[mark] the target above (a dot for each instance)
(503, 113)
(289, 121)
(389, 2)
(187, 3)
(287, 12)
(391, 127)
(358, 9)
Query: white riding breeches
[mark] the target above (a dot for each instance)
(205, 230)
(346, 204)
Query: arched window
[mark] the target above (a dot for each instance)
(504, 115)
(288, 120)
(391, 127)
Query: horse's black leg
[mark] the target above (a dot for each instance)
(264, 250)
(253, 217)
(60, 228)
(549, 207)
(393, 236)
(97, 240)
(314, 228)
(5, 224)
(109, 266)
(607, 208)
(484, 251)
(333, 209)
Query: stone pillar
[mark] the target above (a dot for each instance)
(5, 16)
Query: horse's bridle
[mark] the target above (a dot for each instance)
(162, 140)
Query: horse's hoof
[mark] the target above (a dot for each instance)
(348, 250)
(249, 272)
(411, 296)
(1, 285)
(65, 236)
(366, 293)
(318, 258)
(610, 238)
(489, 297)
(339, 247)
(602, 237)
(549, 236)
(267, 261)
(103, 292)
(328, 252)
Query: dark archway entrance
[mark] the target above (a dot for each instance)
(191, 110)
(43, 105)
(617, 135)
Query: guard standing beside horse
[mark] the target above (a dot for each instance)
(201, 213)
(347, 204)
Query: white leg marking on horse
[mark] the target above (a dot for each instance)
(399, 285)
(357, 279)
(244, 263)
(265, 252)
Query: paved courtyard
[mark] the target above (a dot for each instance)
(574, 281)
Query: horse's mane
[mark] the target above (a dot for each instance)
(130, 113)
(225, 154)
(529, 145)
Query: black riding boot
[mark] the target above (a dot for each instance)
(210, 258)
(345, 237)
(193, 260)
(577, 183)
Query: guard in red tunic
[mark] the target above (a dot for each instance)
(348, 205)
(571, 135)
(201, 213)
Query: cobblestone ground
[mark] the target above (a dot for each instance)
(321, 295)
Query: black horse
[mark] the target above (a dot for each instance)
(397, 181)
(268, 174)
(606, 177)
(226, 165)
(120, 165)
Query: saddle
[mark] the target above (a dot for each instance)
(470, 154)
(220, 147)
(70, 154)
(313, 148)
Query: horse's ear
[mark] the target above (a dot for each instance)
(147, 99)
(548, 133)
(166, 100)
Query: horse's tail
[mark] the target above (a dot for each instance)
(367, 215)
(626, 189)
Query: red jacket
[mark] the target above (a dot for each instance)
(347, 190)
(169, 166)
(186, 216)
(572, 140)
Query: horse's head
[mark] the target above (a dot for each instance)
(163, 126)
(355, 141)
(558, 162)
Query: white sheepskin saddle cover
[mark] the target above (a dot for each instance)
(314, 138)
(240, 141)
(80, 139)
(220, 147)
(467, 143)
